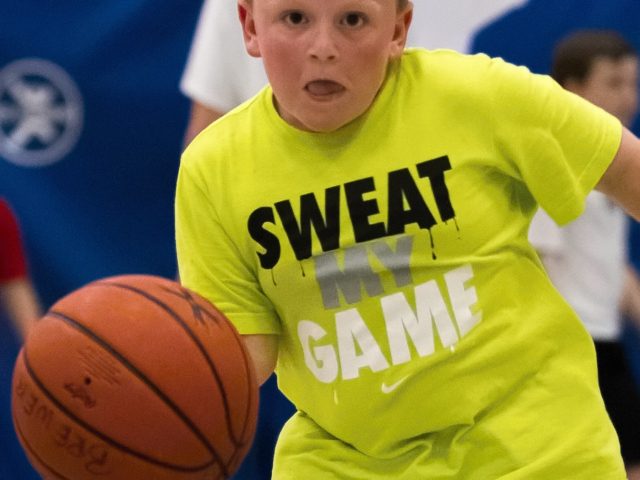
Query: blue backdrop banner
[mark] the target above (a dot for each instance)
(91, 124)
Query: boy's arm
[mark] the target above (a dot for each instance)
(621, 181)
(630, 301)
(264, 352)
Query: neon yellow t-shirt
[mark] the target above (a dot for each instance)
(419, 334)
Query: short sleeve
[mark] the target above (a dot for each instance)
(210, 262)
(559, 144)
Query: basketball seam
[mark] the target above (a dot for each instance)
(247, 367)
(214, 371)
(81, 328)
(238, 443)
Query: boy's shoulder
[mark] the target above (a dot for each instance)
(233, 125)
(445, 59)
(450, 74)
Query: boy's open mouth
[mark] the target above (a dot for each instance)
(321, 88)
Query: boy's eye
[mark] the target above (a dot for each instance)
(294, 18)
(353, 19)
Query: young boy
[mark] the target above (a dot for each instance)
(363, 222)
(587, 259)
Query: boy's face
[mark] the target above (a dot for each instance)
(612, 85)
(325, 59)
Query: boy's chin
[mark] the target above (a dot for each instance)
(323, 125)
(322, 120)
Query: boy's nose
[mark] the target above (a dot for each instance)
(323, 46)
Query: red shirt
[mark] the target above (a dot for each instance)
(13, 264)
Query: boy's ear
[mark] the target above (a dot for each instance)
(245, 13)
(403, 22)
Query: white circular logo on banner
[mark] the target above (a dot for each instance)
(41, 113)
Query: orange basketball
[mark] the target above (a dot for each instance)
(134, 377)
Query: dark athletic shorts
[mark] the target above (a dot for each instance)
(621, 396)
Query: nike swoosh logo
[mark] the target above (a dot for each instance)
(390, 388)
